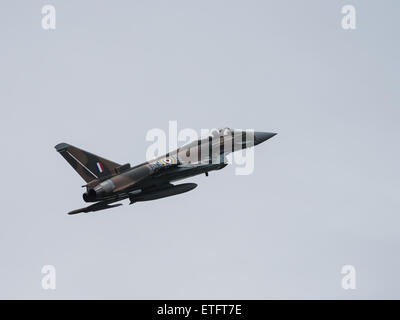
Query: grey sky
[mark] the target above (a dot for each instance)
(324, 192)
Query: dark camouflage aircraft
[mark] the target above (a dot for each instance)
(108, 182)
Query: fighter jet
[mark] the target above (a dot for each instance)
(108, 182)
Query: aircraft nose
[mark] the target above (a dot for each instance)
(260, 137)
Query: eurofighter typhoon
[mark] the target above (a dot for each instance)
(108, 182)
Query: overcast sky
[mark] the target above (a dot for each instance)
(325, 190)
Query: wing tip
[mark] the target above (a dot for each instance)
(95, 207)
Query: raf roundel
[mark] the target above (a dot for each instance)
(167, 161)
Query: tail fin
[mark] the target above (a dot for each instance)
(88, 165)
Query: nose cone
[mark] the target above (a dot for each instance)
(260, 137)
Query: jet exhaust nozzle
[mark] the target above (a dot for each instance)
(90, 195)
(98, 192)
